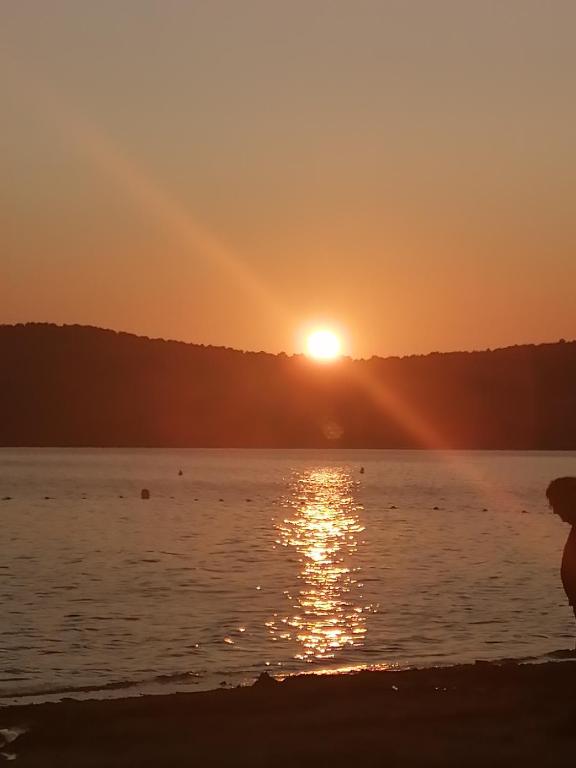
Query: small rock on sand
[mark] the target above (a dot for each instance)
(264, 679)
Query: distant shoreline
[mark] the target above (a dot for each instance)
(81, 386)
(255, 449)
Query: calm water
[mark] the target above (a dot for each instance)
(270, 560)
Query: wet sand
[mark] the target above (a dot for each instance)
(478, 715)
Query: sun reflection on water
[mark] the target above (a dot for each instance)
(323, 527)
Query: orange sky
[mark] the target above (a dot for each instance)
(229, 173)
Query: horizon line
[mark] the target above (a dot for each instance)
(282, 353)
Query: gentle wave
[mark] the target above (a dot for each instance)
(423, 559)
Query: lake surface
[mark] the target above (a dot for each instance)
(282, 561)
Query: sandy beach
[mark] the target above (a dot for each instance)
(475, 715)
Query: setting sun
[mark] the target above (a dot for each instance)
(323, 344)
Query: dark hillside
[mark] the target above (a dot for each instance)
(82, 386)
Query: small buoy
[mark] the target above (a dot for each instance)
(393, 506)
(180, 473)
(248, 501)
(144, 493)
(361, 470)
(220, 499)
(436, 508)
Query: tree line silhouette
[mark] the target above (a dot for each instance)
(83, 386)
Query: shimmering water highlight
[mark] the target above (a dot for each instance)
(287, 561)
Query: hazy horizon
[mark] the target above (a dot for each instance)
(231, 174)
(193, 342)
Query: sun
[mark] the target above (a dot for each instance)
(324, 345)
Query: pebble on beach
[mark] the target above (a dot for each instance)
(265, 679)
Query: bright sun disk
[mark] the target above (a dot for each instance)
(323, 345)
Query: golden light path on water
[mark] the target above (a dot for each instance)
(323, 527)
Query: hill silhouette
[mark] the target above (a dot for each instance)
(84, 386)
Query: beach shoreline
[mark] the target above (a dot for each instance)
(483, 714)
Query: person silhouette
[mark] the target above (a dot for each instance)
(561, 494)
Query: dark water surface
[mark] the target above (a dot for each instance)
(270, 560)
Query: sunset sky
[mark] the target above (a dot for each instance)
(232, 172)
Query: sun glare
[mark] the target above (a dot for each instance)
(323, 345)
